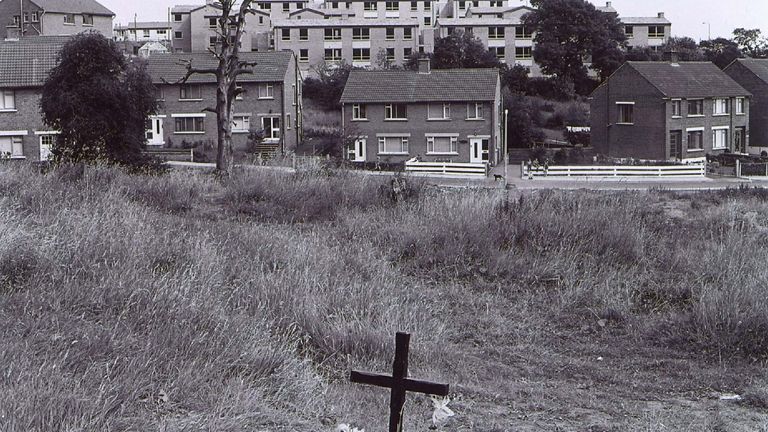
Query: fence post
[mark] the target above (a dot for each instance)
(659, 171)
(615, 172)
(738, 168)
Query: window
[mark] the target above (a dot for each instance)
(35, 17)
(159, 93)
(303, 34)
(390, 54)
(213, 23)
(334, 5)
(438, 144)
(462, 5)
(523, 53)
(499, 52)
(395, 112)
(194, 124)
(46, 143)
(439, 111)
(7, 100)
(626, 112)
(265, 5)
(358, 112)
(629, 31)
(271, 126)
(266, 91)
(655, 31)
(162, 32)
(212, 41)
(497, 3)
(361, 33)
(390, 33)
(740, 106)
(695, 107)
(427, 6)
(178, 35)
(414, 5)
(719, 138)
(26, 17)
(304, 55)
(475, 111)
(300, 5)
(69, 18)
(145, 33)
(286, 6)
(88, 20)
(407, 33)
(190, 92)
(361, 54)
(695, 139)
(427, 21)
(285, 34)
(393, 144)
(332, 54)
(369, 6)
(720, 106)
(177, 17)
(523, 32)
(17, 21)
(392, 6)
(288, 121)
(241, 123)
(495, 32)
(11, 147)
(333, 34)
(676, 108)
(407, 52)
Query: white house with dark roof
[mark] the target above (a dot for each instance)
(438, 115)
(53, 18)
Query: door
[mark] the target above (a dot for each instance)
(479, 150)
(739, 141)
(676, 145)
(155, 131)
(358, 153)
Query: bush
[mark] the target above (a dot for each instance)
(326, 89)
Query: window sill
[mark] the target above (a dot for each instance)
(271, 141)
(16, 157)
(677, 117)
(190, 133)
(694, 150)
(696, 115)
(69, 24)
(190, 100)
(360, 120)
(721, 115)
(393, 153)
(396, 120)
(266, 98)
(439, 119)
(443, 154)
(625, 124)
(8, 110)
(741, 114)
(475, 119)
(91, 25)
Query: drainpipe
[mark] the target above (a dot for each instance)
(282, 122)
(21, 19)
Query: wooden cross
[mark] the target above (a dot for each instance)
(399, 382)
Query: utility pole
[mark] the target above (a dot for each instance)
(709, 30)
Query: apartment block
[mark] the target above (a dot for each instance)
(153, 31)
(53, 18)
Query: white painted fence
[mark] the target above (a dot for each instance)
(698, 169)
(446, 168)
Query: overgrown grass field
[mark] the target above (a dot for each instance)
(183, 302)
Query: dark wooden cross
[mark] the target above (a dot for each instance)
(399, 382)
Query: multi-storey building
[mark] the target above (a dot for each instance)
(653, 32)
(423, 11)
(271, 101)
(669, 110)
(24, 67)
(53, 18)
(394, 115)
(154, 31)
(195, 28)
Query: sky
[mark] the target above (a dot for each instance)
(694, 18)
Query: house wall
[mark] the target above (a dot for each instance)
(53, 24)
(708, 121)
(129, 35)
(183, 44)
(26, 118)
(419, 127)
(10, 8)
(641, 38)
(758, 115)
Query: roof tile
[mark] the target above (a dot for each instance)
(689, 79)
(28, 61)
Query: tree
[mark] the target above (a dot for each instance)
(462, 50)
(568, 31)
(98, 102)
(685, 47)
(327, 88)
(721, 51)
(515, 78)
(229, 31)
(750, 42)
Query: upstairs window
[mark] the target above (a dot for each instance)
(304, 55)
(369, 6)
(629, 31)
(7, 100)
(190, 92)
(427, 6)
(395, 112)
(69, 18)
(285, 34)
(303, 34)
(266, 91)
(264, 5)
(361, 54)
(332, 34)
(475, 111)
(361, 33)
(407, 33)
(178, 35)
(88, 21)
(392, 6)
(358, 112)
(414, 5)
(656, 31)
(498, 52)
(286, 6)
(439, 111)
(177, 17)
(213, 23)
(523, 32)
(523, 53)
(626, 112)
(740, 106)
(17, 21)
(35, 17)
(495, 32)
(677, 108)
(390, 54)
(390, 33)
(720, 106)
(332, 54)
(696, 107)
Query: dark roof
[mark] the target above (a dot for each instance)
(144, 25)
(688, 79)
(270, 67)
(759, 67)
(27, 62)
(409, 86)
(74, 6)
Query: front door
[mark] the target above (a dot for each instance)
(358, 153)
(739, 140)
(479, 150)
(676, 145)
(155, 131)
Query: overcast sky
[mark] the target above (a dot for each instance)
(689, 17)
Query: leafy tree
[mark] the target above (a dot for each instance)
(686, 48)
(515, 78)
(750, 42)
(520, 130)
(98, 101)
(326, 89)
(721, 51)
(568, 31)
(462, 50)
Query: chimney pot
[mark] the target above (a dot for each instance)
(424, 65)
(661, 14)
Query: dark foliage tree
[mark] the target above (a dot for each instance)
(462, 50)
(98, 101)
(721, 51)
(568, 32)
(326, 89)
(684, 47)
(515, 78)
(751, 42)
(521, 132)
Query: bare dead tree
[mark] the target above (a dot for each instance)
(229, 32)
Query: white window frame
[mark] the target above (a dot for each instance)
(361, 54)
(523, 53)
(619, 106)
(272, 133)
(359, 112)
(475, 111)
(715, 131)
(285, 34)
(407, 33)
(679, 104)
(740, 108)
(453, 145)
(67, 21)
(335, 34)
(304, 58)
(361, 33)
(497, 33)
(16, 142)
(185, 96)
(392, 6)
(370, 6)
(403, 145)
(266, 91)
(499, 52)
(720, 107)
(241, 123)
(334, 56)
(85, 22)
(195, 117)
(688, 107)
(443, 108)
(387, 35)
(6, 96)
(389, 112)
(303, 34)
(688, 148)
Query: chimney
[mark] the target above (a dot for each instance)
(424, 65)
(607, 4)
(661, 14)
(671, 56)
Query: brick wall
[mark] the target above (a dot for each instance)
(26, 118)
(758, 115)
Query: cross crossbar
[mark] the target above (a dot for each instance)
(411, 385)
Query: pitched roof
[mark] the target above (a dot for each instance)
(645, 20)
(144, 25)
(759, 67)
(447, 85)
(688, 79)
(26, 62)
(185, 8)
(270, 66)
(74, 6)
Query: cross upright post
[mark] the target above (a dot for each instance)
(399, 383)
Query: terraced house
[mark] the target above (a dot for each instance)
(24, 66)
(669, 111)
(752, 74)
(271, 101)
(21, 18)
(452, 115)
